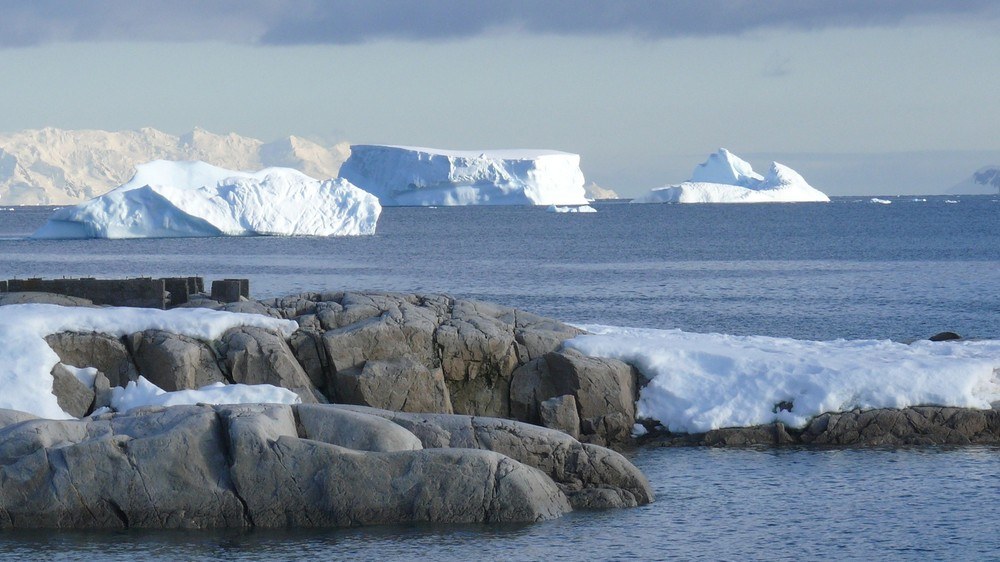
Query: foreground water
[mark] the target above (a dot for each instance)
(712, 504)
(850, 269)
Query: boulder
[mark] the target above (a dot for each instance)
(307, 346)
(10, 417)
(74, 397)
(402, 385)
(105, 353)
(174, 362)
(257, 356)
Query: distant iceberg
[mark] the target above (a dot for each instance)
(986, 181)
(413, 176)
(579, 209)
(167, 199)
(725, 178)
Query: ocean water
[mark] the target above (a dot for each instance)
(848, 269)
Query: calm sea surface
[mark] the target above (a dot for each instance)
(849, 269)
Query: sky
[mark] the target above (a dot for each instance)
(861, 97)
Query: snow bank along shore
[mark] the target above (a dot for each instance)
(725, 178)
(188, 199)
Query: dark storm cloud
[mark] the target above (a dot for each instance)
(355, 21)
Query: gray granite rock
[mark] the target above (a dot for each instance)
(578, 468)
(400, 384)
(258, 356)
(560, 413)
(174, 362)
(74, 397)
(105, 353)
(253, 466)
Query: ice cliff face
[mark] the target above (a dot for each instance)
(725, 178)
(986, 181)
(180, 199)
(401, 175)
(56, 167)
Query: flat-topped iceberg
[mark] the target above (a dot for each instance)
(401, 175)
(726, 178)
(186, 199)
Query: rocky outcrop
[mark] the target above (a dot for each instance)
(305, 465)
(919, 425)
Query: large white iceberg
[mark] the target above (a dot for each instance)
(700, 382)
(182, 199)
(401, 175)
(726, 178)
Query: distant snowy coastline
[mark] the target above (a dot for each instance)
(418, 176)
(194, 199)
(725, 178)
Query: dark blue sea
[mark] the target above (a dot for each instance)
(848, 269)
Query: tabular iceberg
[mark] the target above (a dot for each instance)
(401, 175)
(725, 178)
(187, 199)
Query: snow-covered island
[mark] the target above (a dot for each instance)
(413, 176)
(726, 178)
(194, 199)
(986, 181)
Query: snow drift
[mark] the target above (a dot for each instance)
(401, 175)
(725, 178)
(183, 199)
(701, 382)
(26, 360)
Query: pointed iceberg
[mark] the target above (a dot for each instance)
(726, 178)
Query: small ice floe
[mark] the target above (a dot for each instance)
(919, 200)
(880, 201)
(571, 209)
(952, 201)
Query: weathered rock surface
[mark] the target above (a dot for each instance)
(74, 397)
(604, 391)
(174, 362)
(102, 352)
(407, 352)
(305, 465)
(590, 475)
(919, 425)
(258, 356)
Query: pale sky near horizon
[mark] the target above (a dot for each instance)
(892, 97)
